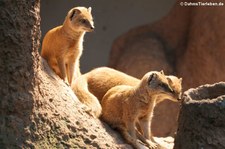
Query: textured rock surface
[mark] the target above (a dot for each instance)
(37, 109)
(188, 42)
(202, 119)
(65, 122)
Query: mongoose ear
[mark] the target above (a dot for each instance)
(89, 9)
(162, 72)
(169, 80)
(73, 13)
(181, 80)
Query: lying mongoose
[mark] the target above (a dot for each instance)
(92, 86)
(125, 106)
(63, 45)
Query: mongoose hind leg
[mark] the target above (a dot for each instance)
(130, 135)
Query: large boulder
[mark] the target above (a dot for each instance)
(202, 118)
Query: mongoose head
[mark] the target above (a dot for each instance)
(80, 19)
(158, 86)
(176, 85)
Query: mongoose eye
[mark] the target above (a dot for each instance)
(166, 87)
(83, 21)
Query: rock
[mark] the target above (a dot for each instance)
(142, 55)
(165, 143)
(203, 59)
(202, 118)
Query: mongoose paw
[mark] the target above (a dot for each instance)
(152, 145)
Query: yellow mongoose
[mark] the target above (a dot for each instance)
(125, 106)
(92, 86)
(63, 45)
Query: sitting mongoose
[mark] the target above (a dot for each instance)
(63, 45)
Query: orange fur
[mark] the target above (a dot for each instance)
(63, 45)
(125, 106)
(92, 86)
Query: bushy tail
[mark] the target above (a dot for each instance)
(80, 88)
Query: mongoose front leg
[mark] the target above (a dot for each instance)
(70, 71)
(62, 68)
(145, 124)
(145, 127)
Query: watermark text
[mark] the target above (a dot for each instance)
(201, 4)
